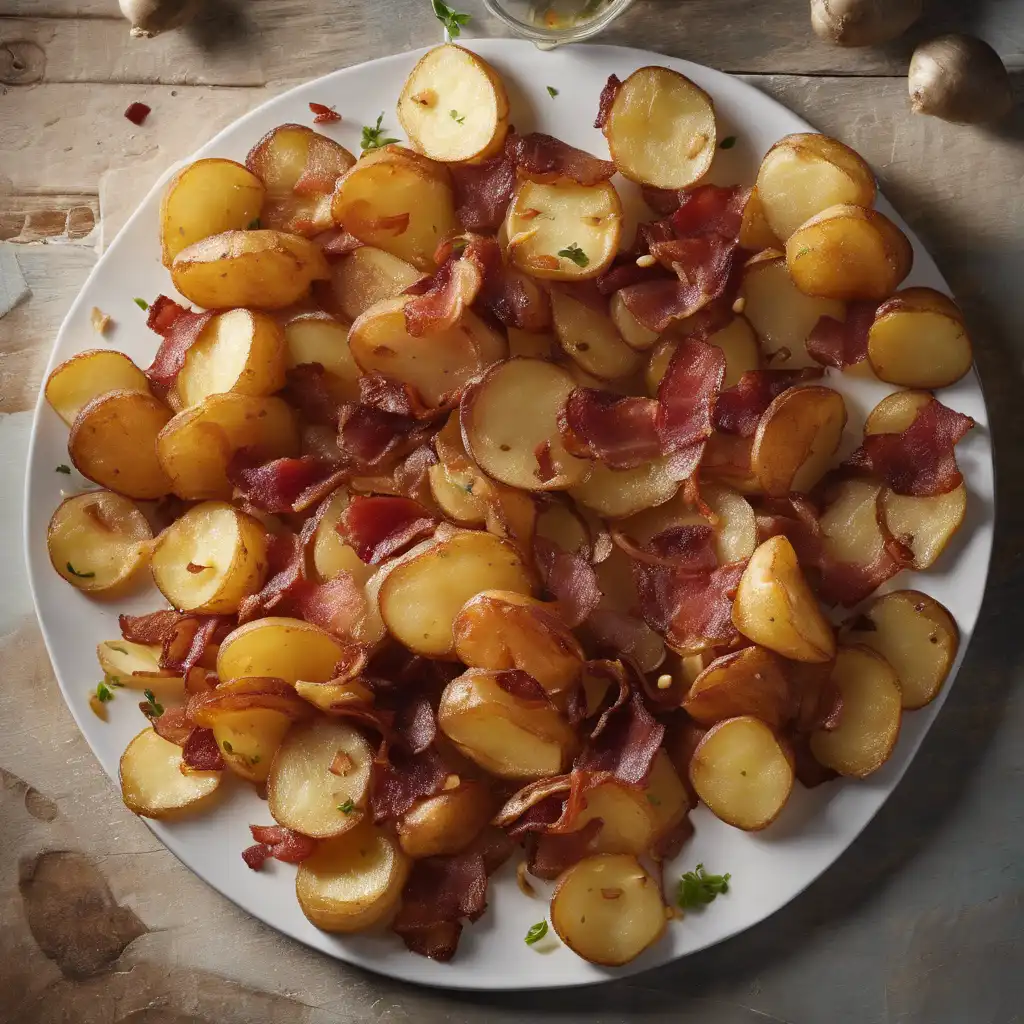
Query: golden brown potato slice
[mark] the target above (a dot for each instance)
(869, 723)
(916, 636)
(280, 647)
(305, 794)
(504, 442)
(616, 493)
(249, 740)
(919, 340)
(896, 412)
(796, 438)
(781, 314)
(590, 339)
(632, 332)
(240, 351)
(504, 734)
(98, 541)
(627, 821)
(447, 823)
(661, 129)
(563, 231)
(849, 525)
(743, 773)
(207, 198)
(83, 377)
(803, 174)
(331, 555)
(352, 882)
(257, 269)
(755, 232)
(727, 461)
(563, 524)
(319, 338)
(751, 681)
(531, 345)
(113, 441)
(364, 278)
(608, 909)
(454, 106)
(500, 629)
(847, 252)
(421, 596)
(210, 558)
(453, 492)
(196, 446)
(153, 784)
(667, 799)
(137, 666)
(399, 201)
(299, 168)
(775, 607)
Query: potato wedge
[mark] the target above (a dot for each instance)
(299, 168)
(352, 882)
(399, 201)
(331, 696)
(362, 279)
(437, 826)
(781, 314)
(775, 608)
(98, 541)
(504, 734)
(500, 629)
(608, 909)
(590, 338)
(743, 773)
(153, 784)
(137, 666)
(257, 269)
(847, 252)
(916, 636)
(454, 106)
(207, 198)
(919, 340)
(563, 525)
(616, 493)
(331, 555)
(632, 332)
(284, 648)
(319, 338)
(563, 231)
(803, 174)
(421, 596)
(661, 129)
(869, 723)
(796, 438)
(83, 377)
(504, 442)
(210, 559)
(113, 442)
(751, 681)
(196, 446)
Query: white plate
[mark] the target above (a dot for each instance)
(768, 869)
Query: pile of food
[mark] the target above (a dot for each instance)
(489, 529)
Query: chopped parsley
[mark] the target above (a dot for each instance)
(141, 303)
(536, 933)
(347, 807)
(728, 142)
(552, 91)
(103, 693)
(63, 469)
(451, 19)
(80, 575)
(454, 114)
(254, 225)
(576, 254)
(372, 136)
(698, 888)
(152, 708)
(228, 749)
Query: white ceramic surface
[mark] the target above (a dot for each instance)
(768, 869)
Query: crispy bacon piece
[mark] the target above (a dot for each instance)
(173, 725)
(382, 526)
(920, 461)
(842, 343)
(137, 112)
(625, 272)
(687, 395)
(548, 855)
(439, 301)
(392, 396)
(710, 209)
(570, 579)
(183, 637)
(483, 192)
(285, 485)
(515, 299)
(284, 572)
(620, 431)
(324, 114)
(308, 389)
(337, 605)
(283, 843)
(200, 751)
(616, 631)
(604, 104)
(690, 547)
(336, 241)
(739, 409)
(255, 856)
(180, 329)
(399, 779)
(544, 158)
(369, 436)
(624, 742)
(521, 685)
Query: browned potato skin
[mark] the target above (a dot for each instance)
(750, 681)
(86, 376)
(447, 823)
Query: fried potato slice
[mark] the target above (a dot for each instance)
(195, 447)
(869, 723)
(352, 882)
(775, 607)
(562, 231)
(98, 541)
(617, 493)
(737, 341)
(751, 681)
(743, 773)
(667, 799)
(755, 232)
(919, 340)
(608, 909)
(437, 826)
(137, 666)
(803, 174)
(590, 338)
(915, 634)
(453, 492)
(632, 332)
(331, 555)
(849, 524)
(207, 198)
(319, 338)
(727, 461)
(362, 279)
(661, 129)
(454, 106)
(627, 823)
(848, 252)
(504, 734)
(256, 269)
(153, 784)
(280, 647)
(87, 375)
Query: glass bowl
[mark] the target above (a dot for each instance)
(549, 23)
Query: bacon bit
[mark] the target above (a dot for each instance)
(608, 94)
(137, 112)
(324, 114)
(524, 886)
(341, 765)
(201, 753)
(546, 469)
(195, 569)
(645, 261)
(100, 321)
(256, 856)
(529, 214)
(282, 843)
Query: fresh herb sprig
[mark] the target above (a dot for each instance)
(698, 888)
(372, 136)
(151, 707)
(451, 19)
(536, 933)
(576, 254)
(80, 575)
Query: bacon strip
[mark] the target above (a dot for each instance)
(483, 192)
(620, 431)
(544, 158)
(739, 409)
(200, 751)
(570, 579)
(287, 484)
(309, 390)
(278, 842)
(710, 209)
(180, 329)
(690, 547)
(381, 526)
(842, 343)
(369, 436)
(439, 301)
(687, 395)
(607, 98)
(399, 779)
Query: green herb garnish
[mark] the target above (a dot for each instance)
(63, 469)
(536, 932)
(451, 19)
(80, 575)
(552, 91)
(576, 254)
(141, 303)
(728, 142)
(254, 225)
(347, 807)
(372, 136)
(698, 888)
(103, 693)
(152, 708)
(112, 680)
(228, 749)
(454, 114)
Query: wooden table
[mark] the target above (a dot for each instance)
(921, 922)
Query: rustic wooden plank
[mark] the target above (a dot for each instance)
(40, 218)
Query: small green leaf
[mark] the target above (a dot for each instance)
(454, 114)
(151, 707)
(536, 933)
(141, 303)
(552, 91)
(63, 469)
(576, 254)
(80, 575)
(698, 888)
(103, 693)
(451, 19)
(112, 680)
(347, 807)
(728, 142)
(372, 136)
(253, 225)
(228, 749)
